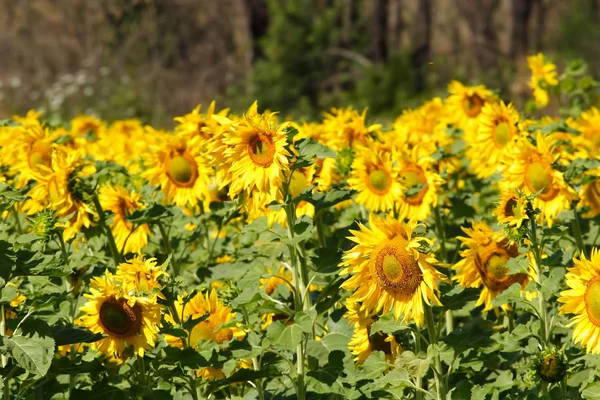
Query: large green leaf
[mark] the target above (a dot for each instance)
(33, 354)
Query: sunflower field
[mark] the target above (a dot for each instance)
(447, 254)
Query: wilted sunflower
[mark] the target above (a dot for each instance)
(375, 176)
(497, 134)
(583, 299)
(364, 341)
(58, 187)
(512, 209)
(543, 74)
(181, 171)
(530, 169)
(122, 203)
(140, 275)
(125, 320)
(419, 187)
(484, 264)
(466, 103)
(388, 270)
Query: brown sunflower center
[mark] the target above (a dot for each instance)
(262, 150)
(378, 342)
(502, 134)
(119, 318)
(380, 181)
(472, 105)
(397, 270)
(510, 209)
(223, 335)
(411, 178)
(493, 271)
(592, 300)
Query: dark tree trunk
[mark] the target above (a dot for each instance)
(540, 25)
(480, 19)
(379, 24)
(258, 13)
(422, 44)
(519, 38)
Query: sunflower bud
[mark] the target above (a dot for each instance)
(551, 365)
(43, 224)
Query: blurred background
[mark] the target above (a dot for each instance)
(156, 59)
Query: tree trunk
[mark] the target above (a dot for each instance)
(379, 24)
(258, 15)
(422, 41)
(519, 38)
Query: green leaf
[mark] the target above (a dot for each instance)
(332, 197)
(64, 335)
(415, 366)
(8, 293)
(510, 295)
(326, 260)
(309, 150)
(591, 392)
(33, 354)
(156, 212)
(336, 341)
(518, 265)
(330, 372)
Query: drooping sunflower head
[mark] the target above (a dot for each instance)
(389, 272)
(583, 299)
(140, 275)
(127, 321)
(282, 277)
(551, 365)
(484, 263)
(374, 175)
(466, 103)
(180, 170)
(512, 209)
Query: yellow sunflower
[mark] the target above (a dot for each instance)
(127, 321)
(388, 270)
(484, 263)
(530, 169)
(583, 299)
(419, 187)
(283, 277)
(122, 203)
(250, 153)
(588, 124)
(465, 103)
(590, 194)
(347, 128)
(364, 341)
(498, 133)
(192, 125)
(141, 275)
(512, 209)
(181, 171)
(543, 74)
(57, 187)
(375, 176)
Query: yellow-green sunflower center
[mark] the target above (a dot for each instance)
(538, 177)
(502, 134)
(472, 105)
(496, 265)
(397, 270)
(120, 319)
(180, 169)
(592, 300)
(262, 150)
(411, 178)
(491, 264)
(380, 181)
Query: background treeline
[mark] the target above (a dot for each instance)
(159, 58)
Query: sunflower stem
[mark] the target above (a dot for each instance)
(433, 339)
(543, 312)
(320, 229)
(441, 234)
(168, 248)
(107, 231)
(577, 233)
(419, 380)
(4, 358)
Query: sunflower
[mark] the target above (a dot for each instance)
(180, 170)
(140, 275)
(211, 328)
(283, 277)
(192, 125)
(58, 187)
(512, 209)
(250, 153)
(364, 341)
(125, 320)
(583, 299)
(419, 187)
(347, 128)
(588, 124)
(484, 263)
(466, 103)
(530, 168)
(375, 176)
(498, 133)
(543, 74)
(122, 203)
(388, 270)
(590, 194)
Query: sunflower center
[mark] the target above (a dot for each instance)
(510, 209)
(397, 270)
(378, 342)
(592, 300)
(410, 179)
(538, 178)
(180, 169)
(473, 105)
(380, 181)
(496, 265)
(120, 319)
(502, 134)
(262, 150)
(492, 267)
(223, 335)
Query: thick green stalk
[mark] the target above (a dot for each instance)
(419, 380)
(320, 229)
(433, 339)
(441, 234)
(4, 358)
(577, 233)
(107, 231)
(543, 312)
(169, 249)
